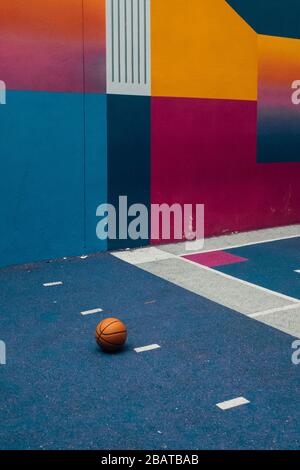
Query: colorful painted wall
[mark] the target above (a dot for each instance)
(224, 129)
(53, 165)
(161, 100)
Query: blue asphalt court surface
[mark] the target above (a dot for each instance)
(271, 265)
(59, 391)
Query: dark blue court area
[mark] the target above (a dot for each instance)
(272, 265)
(59, 391)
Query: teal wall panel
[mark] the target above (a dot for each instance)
(95, 167)
(41, 176)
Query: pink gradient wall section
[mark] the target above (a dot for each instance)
(48, 45)
(94, 27)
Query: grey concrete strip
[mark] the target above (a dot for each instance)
(228, 241)
(287, 321)
(275, 310)
(210, 284)
(142, 255)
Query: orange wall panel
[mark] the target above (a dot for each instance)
(202, 49)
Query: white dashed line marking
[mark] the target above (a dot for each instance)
(147, 348)
(226, 405)
(51, 284)
(90, 312)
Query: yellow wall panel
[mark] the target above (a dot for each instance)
(202, 49)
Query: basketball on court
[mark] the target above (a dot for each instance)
(111, 334)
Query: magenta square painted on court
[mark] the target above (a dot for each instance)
(214, 258)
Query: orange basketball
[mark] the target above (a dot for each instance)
(111, 334)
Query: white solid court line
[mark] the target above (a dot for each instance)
(274, 310)
(297, 271)
(90, 312)
(147, 348)
(51, 284)
(228, 247)
(241, 281)
(227, 405)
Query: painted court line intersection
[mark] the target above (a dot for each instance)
(241, 245)
(275, 310)
(241, 281)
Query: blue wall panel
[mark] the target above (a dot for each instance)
(41, 176)
(270, 17)
(278, 138)
(128, 140)
(95, 166)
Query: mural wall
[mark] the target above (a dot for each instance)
(162, 101)
(224, 129)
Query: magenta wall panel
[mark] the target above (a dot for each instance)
(204, 151)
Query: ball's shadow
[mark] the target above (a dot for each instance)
(125, 349)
